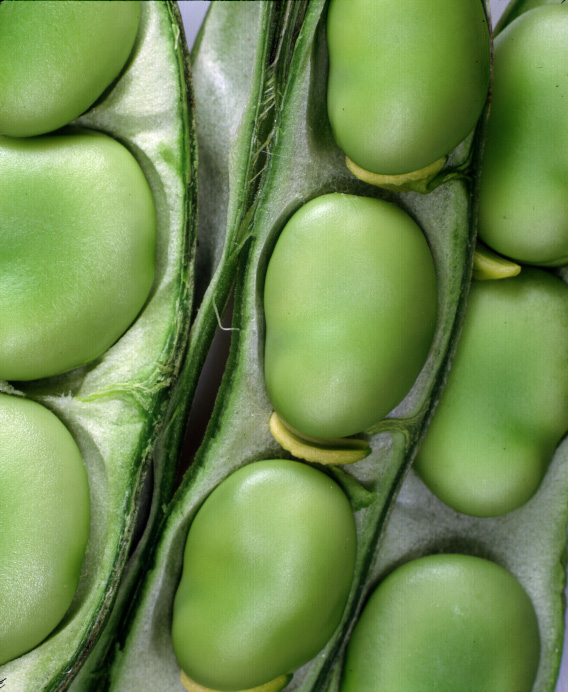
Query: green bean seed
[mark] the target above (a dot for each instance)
(445, 623)
(407, 80)
(523, 207)
(77, 257)
(267, 569)
(350, 303)
(57, 57)
(44, 515)
(504, 408)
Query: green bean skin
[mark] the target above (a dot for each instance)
(445, 623)
(407, 80)
(503, 411)
(350, 304)
(77, 258)
(57, 57)
(268, 566)
(44, 515)
(523, 208)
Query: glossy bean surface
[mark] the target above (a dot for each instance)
(407, 80)
(350, 304)
(268, 566)
(505, 406)
(57, 57)
(523, 207)
(77, 258)
(44, 515)
(445, 623)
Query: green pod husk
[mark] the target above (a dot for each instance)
(302, 162)
(233, 135)
(116, 406)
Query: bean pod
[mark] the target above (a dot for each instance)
(114, 405)
(303, 163)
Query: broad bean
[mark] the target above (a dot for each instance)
(350, 304)
(58, 57)
(523, 212)
(44, 514)
(407, 80)
(268, 566)
(504, 408)
(78, 250)
(445, 623)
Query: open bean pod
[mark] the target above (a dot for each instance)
(530, 542)
(232, 134)
(116, 406)
(302, 162)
